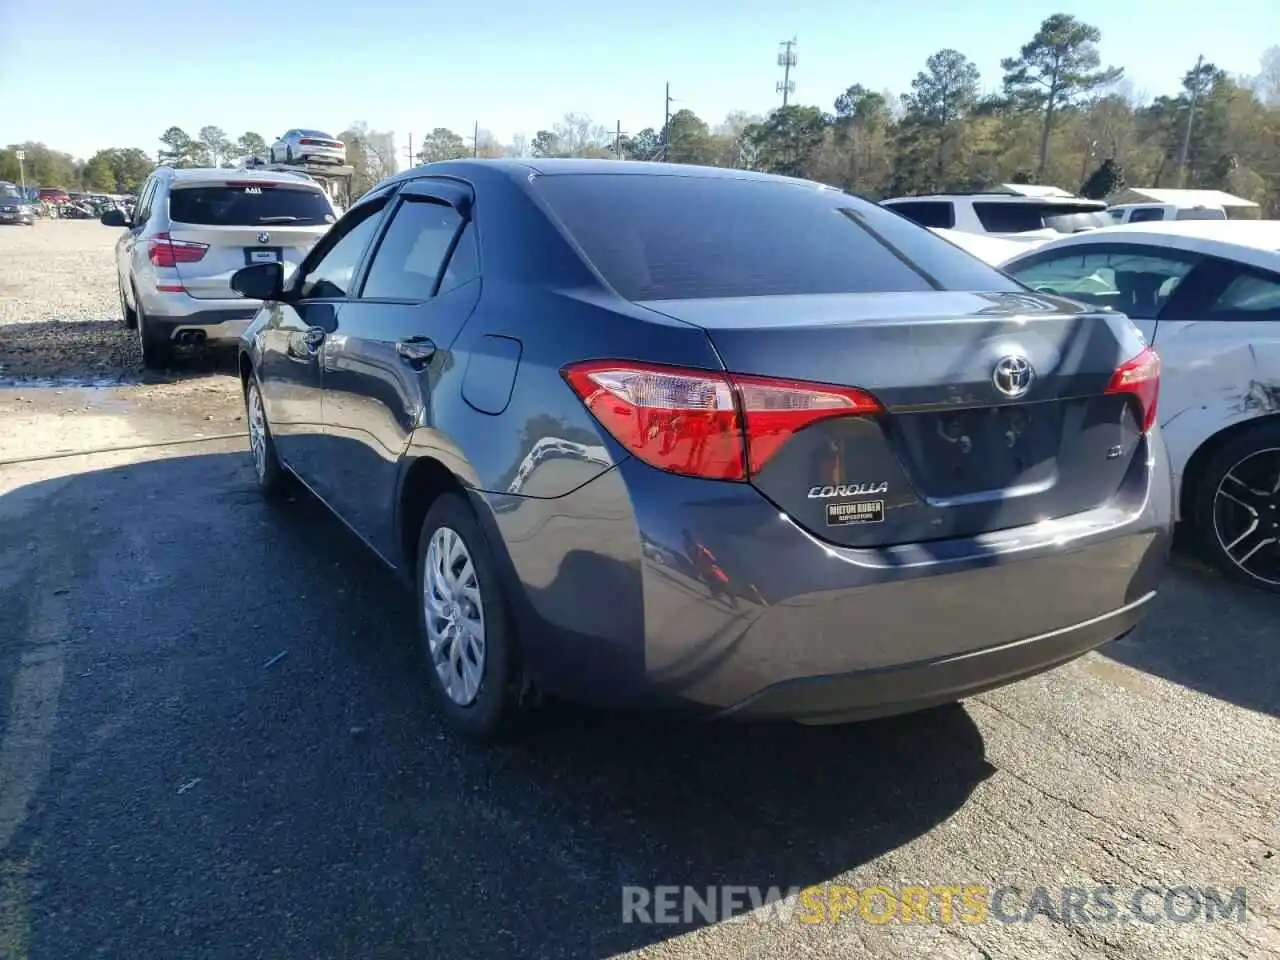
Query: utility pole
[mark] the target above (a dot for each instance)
(786, 60)
(22, 173)
(409, 150)
(475, 140)
(1191, 116)
(617, 142)
(666, 124)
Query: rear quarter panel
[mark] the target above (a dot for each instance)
(1215, 375)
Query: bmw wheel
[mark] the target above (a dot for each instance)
(1237, 507)
(156, 351)
(262, 447)
(464, 624)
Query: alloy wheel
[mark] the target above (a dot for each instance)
(1246, 515)
(454, 616)
(257, 431)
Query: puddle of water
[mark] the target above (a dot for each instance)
(74, 382)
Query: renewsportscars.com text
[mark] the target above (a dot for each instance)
(940, 904)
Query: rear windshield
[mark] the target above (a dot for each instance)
(250, 205)
(1201, 213)
(1077, 222)
(661, 237)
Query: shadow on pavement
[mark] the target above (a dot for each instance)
(246, 762)
(1209, 634)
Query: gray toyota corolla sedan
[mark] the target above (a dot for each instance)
(645, 434)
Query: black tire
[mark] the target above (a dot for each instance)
(1219, 521)
(156, 351)
(492, 713)
(267, 469)
(127, 313)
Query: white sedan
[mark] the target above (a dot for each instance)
(1207, 295)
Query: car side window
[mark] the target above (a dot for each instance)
(142, 212)
(1250, 296)
(1144, 214)
(331, 276)
(408, 260)
(1137, 283)
(927, 213)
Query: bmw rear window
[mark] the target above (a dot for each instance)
(250, 205)
(663, 237)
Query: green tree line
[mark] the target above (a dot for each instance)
(1058, 115)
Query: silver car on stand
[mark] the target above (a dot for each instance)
(300, 146)
(193, 229)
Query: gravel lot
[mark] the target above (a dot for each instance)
(59, 308)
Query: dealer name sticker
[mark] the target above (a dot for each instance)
(863, 511)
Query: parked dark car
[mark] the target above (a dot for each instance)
(646, 434)
(13, 205)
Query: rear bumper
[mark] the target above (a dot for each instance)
(322, 154)
(877, 693)
(619, 605)
(179, 318)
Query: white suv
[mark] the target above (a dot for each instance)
(1018, 217)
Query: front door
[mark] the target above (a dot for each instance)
(295, 335)
(392, 348)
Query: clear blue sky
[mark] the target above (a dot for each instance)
(82, 74)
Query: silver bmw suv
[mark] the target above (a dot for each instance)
(190, 231)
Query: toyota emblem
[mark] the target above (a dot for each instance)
(1013, 375)
(264, 237)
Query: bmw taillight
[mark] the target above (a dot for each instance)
(703, 423)
(1140, 378)
(167, 252)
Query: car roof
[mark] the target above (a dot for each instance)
(1255, 242)
(1040, 200)
(236, 175)
(522, 167)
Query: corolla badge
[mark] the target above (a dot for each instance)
(264, 237)
(1013, 375)
(848, 490)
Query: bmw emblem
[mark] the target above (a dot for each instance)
(264, 237)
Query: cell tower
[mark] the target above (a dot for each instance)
(786, 60)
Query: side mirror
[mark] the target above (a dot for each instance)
(114, 218)
(259, 281)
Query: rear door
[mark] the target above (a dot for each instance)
(391, 348)
(242, 222)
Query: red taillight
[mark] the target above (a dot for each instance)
(308, 142)
(1140, 377)
(166, 252)
(705, 423)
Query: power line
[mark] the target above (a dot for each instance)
(786, 60)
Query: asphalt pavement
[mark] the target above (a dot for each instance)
(216, 741)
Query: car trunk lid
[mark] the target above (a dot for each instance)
(238, 224)
(959, 449)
